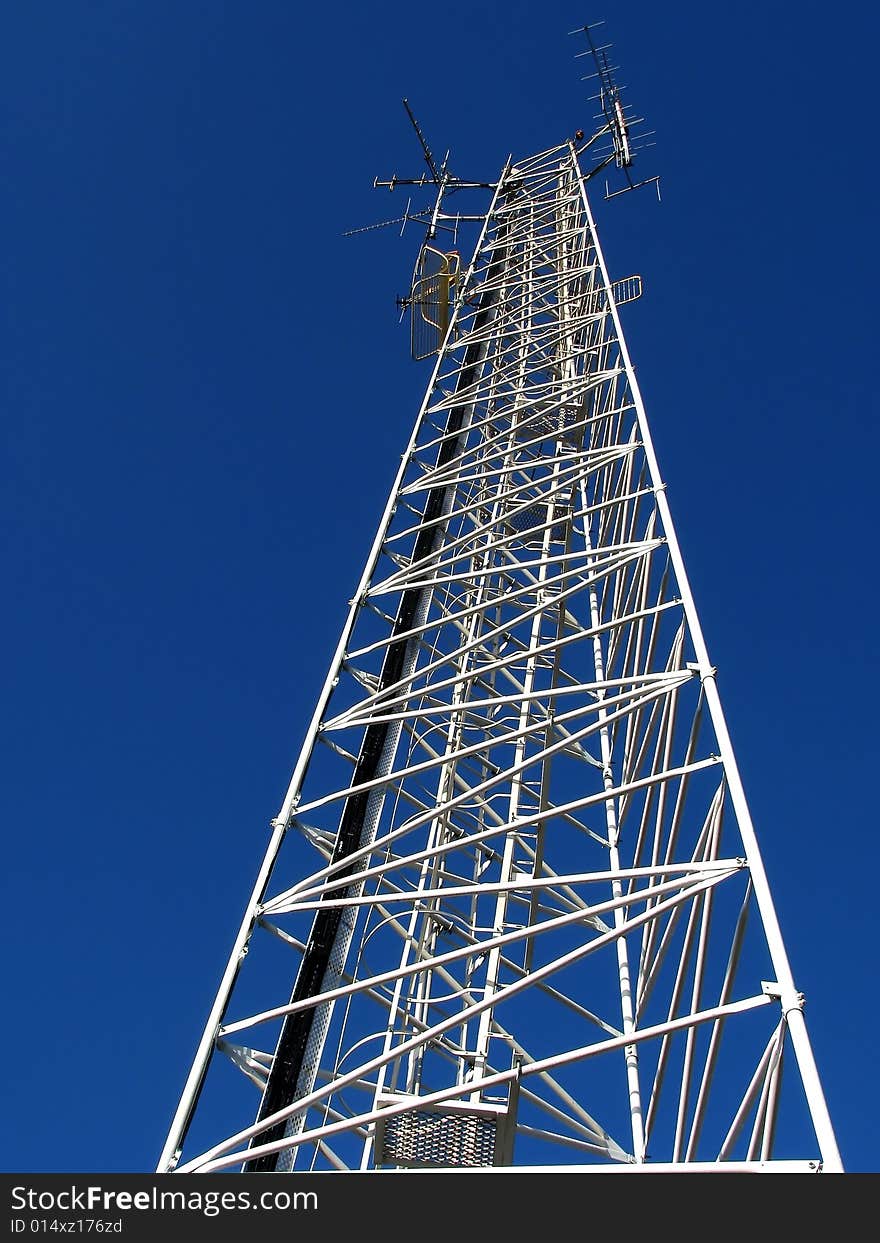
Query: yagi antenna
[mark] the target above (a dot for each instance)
(618, 120)
(384, 224)
(436, 173)
(609, 102)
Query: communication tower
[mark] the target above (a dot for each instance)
(513, 911)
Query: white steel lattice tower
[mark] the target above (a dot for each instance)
(513, 910)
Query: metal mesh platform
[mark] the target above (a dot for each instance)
(451, 1135)
(422, 1138)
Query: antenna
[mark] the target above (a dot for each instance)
(429, 159)
(440, 177)
(616, 118)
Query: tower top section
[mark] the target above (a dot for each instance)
(436, 281)
(615, 141)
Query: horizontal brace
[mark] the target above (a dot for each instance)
(637, 681)
(512, 567)
(571, 918)
(415, 897)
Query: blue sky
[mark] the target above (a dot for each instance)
(204, 392)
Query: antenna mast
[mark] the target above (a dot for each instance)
(513, 911)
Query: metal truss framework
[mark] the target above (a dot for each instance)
(534, 928)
